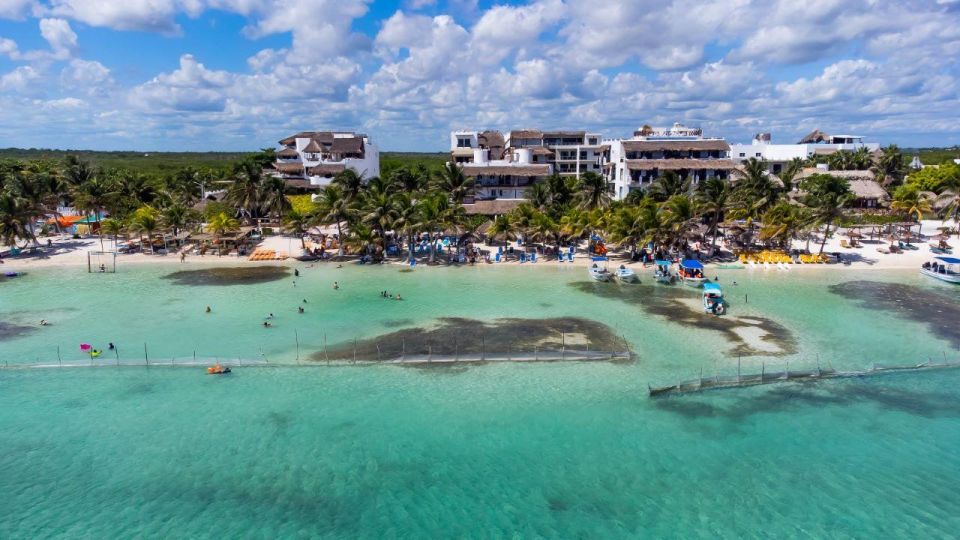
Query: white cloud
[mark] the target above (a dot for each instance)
(8, 47)
(15, 9)
(20, 79)
(62, 39)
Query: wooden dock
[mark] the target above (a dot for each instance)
(777, 377)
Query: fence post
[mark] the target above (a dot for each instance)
(403, 349)
(738, 369)
(536, 354)
(146, 356)
(763, 369)
(378, 352)
(59, 359)
(325, 355)
(563, 346)
(354, 350)
(429, 353)
(296, 337)
(483, 347)
(456, 349)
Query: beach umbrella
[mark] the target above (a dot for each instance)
(86, 347)
(853, 234)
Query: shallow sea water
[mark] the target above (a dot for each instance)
(497, 450)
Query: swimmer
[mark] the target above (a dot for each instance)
(304, 300)
(266, 324)
(300, 309)
(111, 347)
(270, 316)
(296, 272)
(43, 322)
(208, 309)
(398, 297)
(336, 285)
(339, 266)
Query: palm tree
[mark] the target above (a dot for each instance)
(433, 213)
(781, 223)
(405, 218)
(592, 191)
(908, 200)
(890, 167)
(77, 172)
(333, 206)
(712, 197)
(789, 173)
(93, 196)
(826, 197)
(451, 180)
(299, 223)
(245, 191)
(176, 217)
(680, 215)
(504, 227)
(219, 225)
(539, 196)
(350, 183)
(272, 197)
(668, 185)
(145, 220)
(14, 220)
(112, 227)
(361, 238)
(377, 210)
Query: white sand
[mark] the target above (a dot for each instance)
(66, 252)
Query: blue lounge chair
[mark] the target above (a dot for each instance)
(533, 257)
(523, 257)
(570, 256)
(560, 256)
(497, 257)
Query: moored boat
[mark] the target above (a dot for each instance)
(947, 269)
(598, 272)
(691, 273)
(661, 271)
(713, 299)
(625, 275)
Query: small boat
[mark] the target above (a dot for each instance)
(691, 273)
(12, 274)
(597, 272)
(218, 369)
(661, 271)
(947, 269)
(625, 275)
(713, 299)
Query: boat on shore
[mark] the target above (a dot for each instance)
(598, 272)
(625, 275)
(691, 273)
(661, 271)
(943, 268)
(713, 299)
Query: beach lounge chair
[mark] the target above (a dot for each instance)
(497, 258)
(560, 256)
(570, 256)
(523, 257)
(845, 244)
(533, 257)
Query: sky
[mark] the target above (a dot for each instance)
(212, 75)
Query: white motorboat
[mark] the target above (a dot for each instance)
(661, 272)
(625, 275)
(598, 273)
(947, 269)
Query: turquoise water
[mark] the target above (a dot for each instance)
(496, 450)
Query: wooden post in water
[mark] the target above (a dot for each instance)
(786, 370)
(716, 373)
(403, 349)
(59, 359)
(563, 346)
(738, 369)
(763, 368)
(536, 354)
(296, 337)
(483, 347)
(116, 352)
(378, 351)
(354, 350)
(429, 353)
(146, 356)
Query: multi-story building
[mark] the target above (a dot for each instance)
(817, 143)
(313, 158)
(571, 153)
(507, 178)
(637, 162)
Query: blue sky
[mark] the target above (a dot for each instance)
(241, 74)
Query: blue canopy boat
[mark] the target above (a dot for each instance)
(661, 271)
(691, 273)
(713, 299)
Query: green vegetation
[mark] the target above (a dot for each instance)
(148, 163)
(933, 156)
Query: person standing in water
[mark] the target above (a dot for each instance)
(336, 285)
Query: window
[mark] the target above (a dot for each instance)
(742, 154)
(758, 154)
(463, 142)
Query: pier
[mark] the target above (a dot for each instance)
(777, 377)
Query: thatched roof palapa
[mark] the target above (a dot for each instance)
(492, 208)
(506, 170)
(676, 146)
(288, 153)
(289, 168)
(815, 136)
(526, 134)
(676, 164)
(313, 147)
(326, 169)
(347, 145)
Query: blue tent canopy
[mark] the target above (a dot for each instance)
(711, 286)
(692, 264)
(661, 262)
(948, 260)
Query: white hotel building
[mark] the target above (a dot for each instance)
(638, 162)
(499, 173)
(814, 144)
(310, 159)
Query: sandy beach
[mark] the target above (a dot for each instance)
(67, 251)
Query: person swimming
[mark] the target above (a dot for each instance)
(270, 316)
(266, 324)
(208, 309)
(296, 272)
(398, 297)
(43, 322)
(336, 285)
(300, 309)
(304, 300)
(111, 346)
